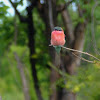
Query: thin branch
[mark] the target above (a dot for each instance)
(64, 6)
(82, 58)
(22, 18)
(80, 52)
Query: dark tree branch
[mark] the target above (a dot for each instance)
(22, 18)
(64, 6)
(31, 45)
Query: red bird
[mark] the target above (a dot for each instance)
(57, 37)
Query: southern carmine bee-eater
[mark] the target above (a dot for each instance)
(57, 38)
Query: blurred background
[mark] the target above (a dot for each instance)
(30, 69)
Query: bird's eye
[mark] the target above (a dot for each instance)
(55, 29)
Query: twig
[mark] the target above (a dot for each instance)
(80, 52)
(82, 58)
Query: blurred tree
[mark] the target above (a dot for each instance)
(52, 13)
(48, 11)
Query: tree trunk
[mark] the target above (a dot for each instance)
(71, 62)
(49, 16)
(76, 41)
(31, 44)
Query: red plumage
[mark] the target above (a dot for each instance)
(57, 38)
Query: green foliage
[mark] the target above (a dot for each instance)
(10, 83)
(60, 1)
(6, 36)
(85, 83)
(3, 10)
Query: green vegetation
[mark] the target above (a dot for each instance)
(86, 83)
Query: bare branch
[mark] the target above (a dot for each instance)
(64, 6)
(22, 18)
(82, 58)
(79, 52)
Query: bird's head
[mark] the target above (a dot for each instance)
(58, 29)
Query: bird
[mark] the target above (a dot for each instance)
(57, 38)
